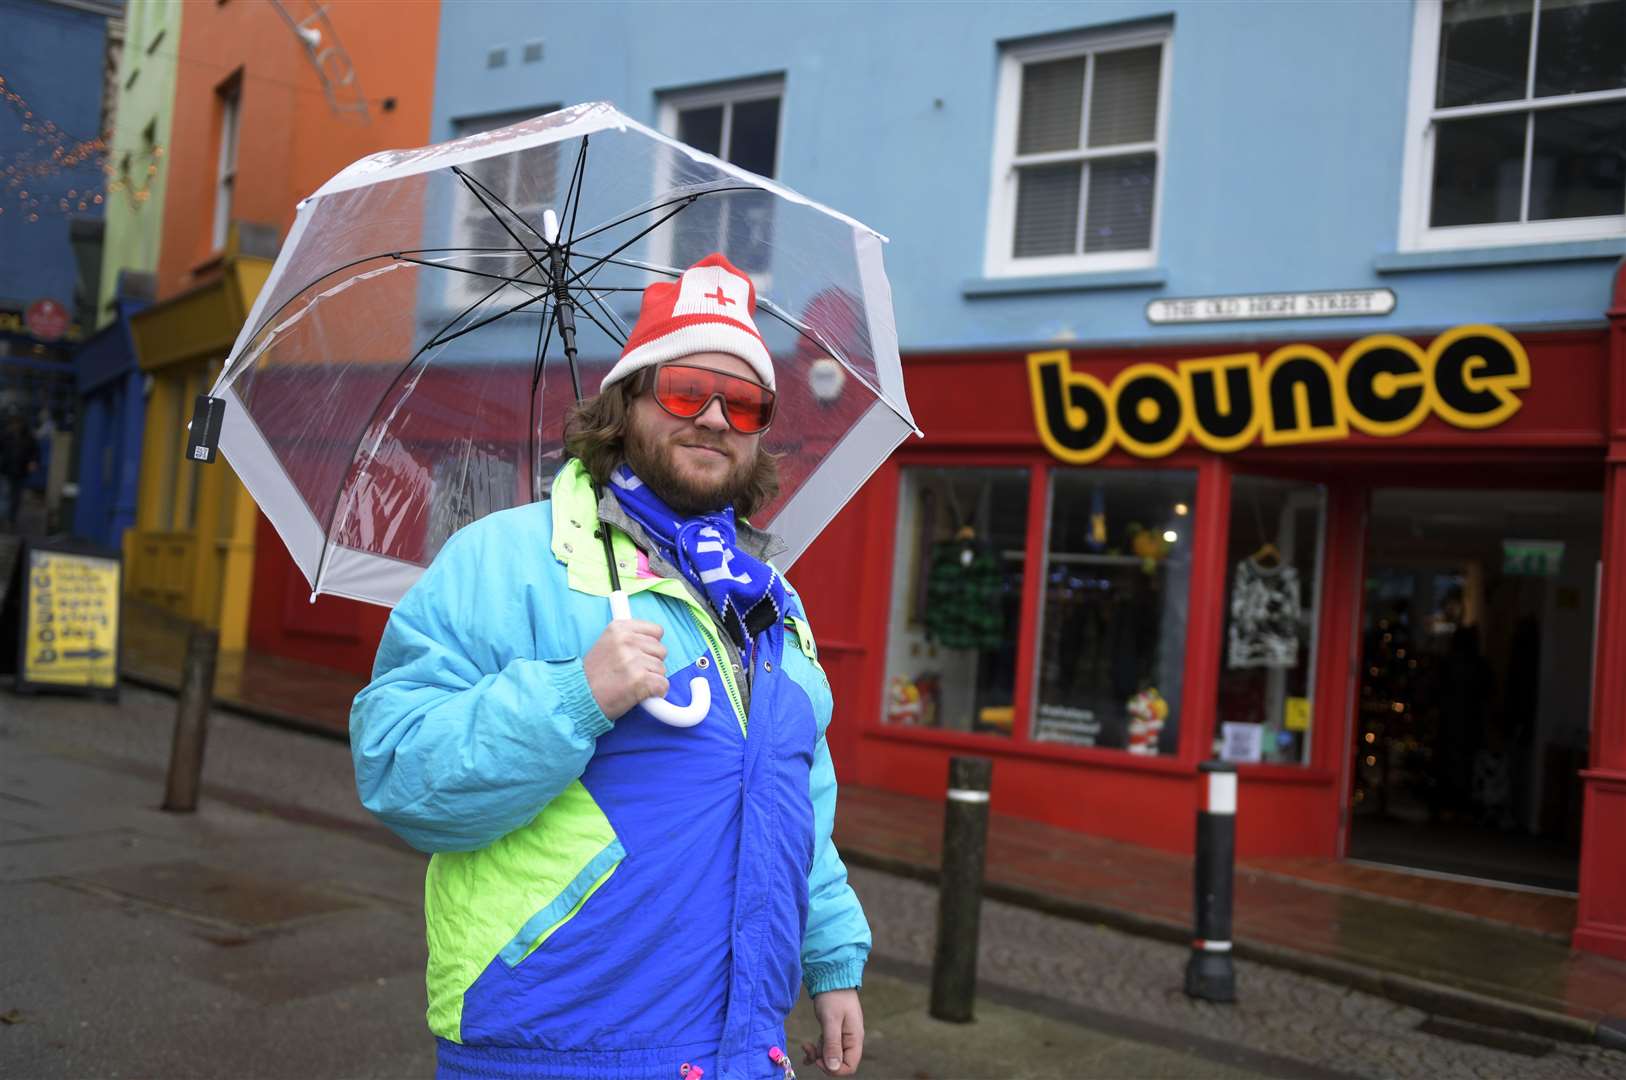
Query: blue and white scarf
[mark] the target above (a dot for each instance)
(747, 594)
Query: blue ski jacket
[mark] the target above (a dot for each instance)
(607, 898)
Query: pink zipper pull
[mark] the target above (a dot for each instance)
(779, 1058)
(691, 1072)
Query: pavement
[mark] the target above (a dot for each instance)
(277, 932)
(1474, 952)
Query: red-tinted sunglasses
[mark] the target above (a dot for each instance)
(686, 392)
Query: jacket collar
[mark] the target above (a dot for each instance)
(577, 514)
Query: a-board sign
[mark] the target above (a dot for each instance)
(68, 614)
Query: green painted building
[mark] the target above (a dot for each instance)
(137, 160)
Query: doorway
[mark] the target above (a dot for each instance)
(1474, 709)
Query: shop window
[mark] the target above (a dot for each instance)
(1272, 603)
(1517, 125)
(739, 124)
(527, 182)
(957, 599)
(1078, 152)
(1113, 630)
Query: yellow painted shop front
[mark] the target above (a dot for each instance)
(191, 551)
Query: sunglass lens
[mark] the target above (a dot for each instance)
(684, 391)
(750, 407)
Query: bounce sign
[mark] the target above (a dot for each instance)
(1382, 385)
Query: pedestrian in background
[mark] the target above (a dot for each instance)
(19, 456)
(611, 896)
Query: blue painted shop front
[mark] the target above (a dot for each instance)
(112, 410)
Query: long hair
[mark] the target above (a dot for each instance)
(596, 435)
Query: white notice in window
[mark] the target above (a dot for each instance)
(1242, 742)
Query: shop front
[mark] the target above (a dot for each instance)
(1376, 574)
(112, 412)
(191, 549)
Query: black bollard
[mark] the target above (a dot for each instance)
(959, 899)
(1210, 974)
(191, 721)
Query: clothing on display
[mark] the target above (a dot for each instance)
(1265, 616)
(964, 597)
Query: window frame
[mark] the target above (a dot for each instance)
(465, 289)
(1422, 123)
(998, 259)
(727, 94)
(1041, 466)
(231, 119)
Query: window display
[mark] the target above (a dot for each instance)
(957, 599)
(1266, 685)
(1113, 628)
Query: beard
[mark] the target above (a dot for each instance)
(652, 460)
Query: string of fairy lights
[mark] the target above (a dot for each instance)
(31, 181)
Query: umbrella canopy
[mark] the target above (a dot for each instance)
(401, 373)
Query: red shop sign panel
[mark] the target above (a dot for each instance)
(1470, 377)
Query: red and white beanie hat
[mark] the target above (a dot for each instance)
(708, 309)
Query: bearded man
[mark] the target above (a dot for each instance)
(611, 896)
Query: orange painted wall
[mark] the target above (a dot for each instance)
(290, 141)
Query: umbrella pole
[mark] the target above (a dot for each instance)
(565, 308)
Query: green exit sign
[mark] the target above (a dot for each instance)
(1532, 558)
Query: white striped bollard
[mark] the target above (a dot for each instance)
(959, 900)
(1210, 974)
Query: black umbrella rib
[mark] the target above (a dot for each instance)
(632, 264)
(801, 328)
(396, 255)
(577, 276)
(818, 339)
(472, 273)
(482, 192)
(621, 326)
(619, 339)
(484, 322)
(684, 199)
(477, 187)
(578, 180)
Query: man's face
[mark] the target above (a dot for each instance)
(696, 465)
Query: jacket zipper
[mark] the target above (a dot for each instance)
(719, 656)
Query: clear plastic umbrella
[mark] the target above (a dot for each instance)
(403, 371)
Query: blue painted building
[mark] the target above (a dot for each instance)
(112, 419)
(55, 57)
(52, 57)
(1282, 152)
(1263, 354)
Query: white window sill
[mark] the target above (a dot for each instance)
(1149, 277)
(1405, 262)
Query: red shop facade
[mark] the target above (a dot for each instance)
(1386, 576)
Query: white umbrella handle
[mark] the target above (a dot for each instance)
(699, 689)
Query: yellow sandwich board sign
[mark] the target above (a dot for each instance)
(70, 621)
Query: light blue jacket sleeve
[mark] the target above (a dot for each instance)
(837, 941)
(462, 737)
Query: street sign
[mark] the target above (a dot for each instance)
(46, 319)
(69, 613)
(1326, 304)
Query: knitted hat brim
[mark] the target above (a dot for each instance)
(706, 336)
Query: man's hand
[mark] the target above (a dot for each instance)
(841, 1033)
(626, 665)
